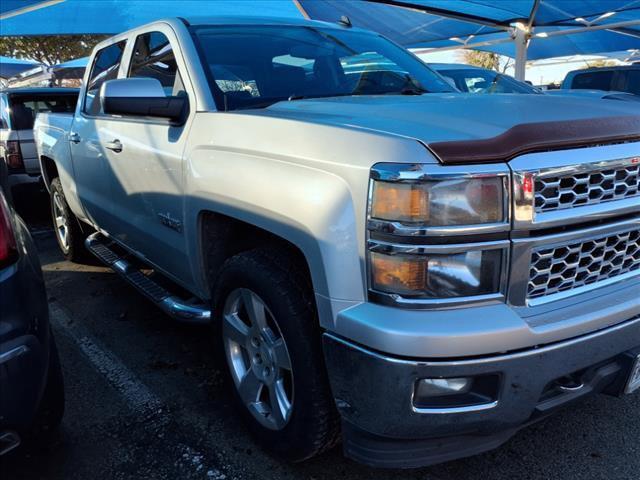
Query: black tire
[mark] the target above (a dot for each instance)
(313, 425)
(51, 409)
(73, 249)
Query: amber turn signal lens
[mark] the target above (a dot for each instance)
(400, 274)
(400, 202)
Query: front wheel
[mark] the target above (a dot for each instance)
(271, 340)
(66, 226)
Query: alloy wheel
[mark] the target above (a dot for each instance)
(258, 358)
(61, 221)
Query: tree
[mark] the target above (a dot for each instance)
(49, 50)
(489, 60)
(600, 63)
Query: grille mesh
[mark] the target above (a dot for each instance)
(563, 268)
(589, 188)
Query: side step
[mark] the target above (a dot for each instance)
(172, 305)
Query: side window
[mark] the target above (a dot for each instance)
(633, 81)
(594, 80)
(105, 67)
(153, 57)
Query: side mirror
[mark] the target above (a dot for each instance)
(140, 97)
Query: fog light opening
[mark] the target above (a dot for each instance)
(439, 387)
(456, 392)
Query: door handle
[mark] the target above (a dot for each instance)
(116, 146)
(74, 137)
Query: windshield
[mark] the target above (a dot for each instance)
(475, 80)
(255, 66)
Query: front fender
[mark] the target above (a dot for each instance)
(313, 209)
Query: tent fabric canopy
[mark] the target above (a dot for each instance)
(12, 66)
(77, 63)
(71, 17)
(449, 23)
(412, 23)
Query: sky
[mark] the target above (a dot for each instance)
(537, 72)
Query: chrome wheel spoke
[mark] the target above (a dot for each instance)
(249, 388)
(63, 236)
(255, 309)
(279, 404)
(60, 221)
(58, 203)
(236, 330)
(281, 355)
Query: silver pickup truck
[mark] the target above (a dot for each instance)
(417, 271)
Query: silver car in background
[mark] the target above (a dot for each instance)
(18, 110)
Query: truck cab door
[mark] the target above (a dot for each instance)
(145, 158)
(90, 169)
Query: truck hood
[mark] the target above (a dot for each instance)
(468, 128)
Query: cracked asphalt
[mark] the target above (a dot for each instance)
(146, 399)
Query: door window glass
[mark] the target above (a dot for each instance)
(633, 81)
(153, 57)
(594, 80)
(105, 67)
(24, 108)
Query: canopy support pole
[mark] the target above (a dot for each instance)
(521, 38)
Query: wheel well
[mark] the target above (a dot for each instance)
(224, 237)
(49, 170)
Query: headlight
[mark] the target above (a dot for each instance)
(452, 198)
(448, 202)
(437, 275)
(409, 204)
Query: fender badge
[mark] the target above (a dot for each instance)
(172, 223)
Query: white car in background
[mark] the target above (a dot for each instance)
(472, 79)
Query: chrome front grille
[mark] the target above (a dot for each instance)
(581, 263)
(559, 192)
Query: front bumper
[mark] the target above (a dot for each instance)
(383, 428)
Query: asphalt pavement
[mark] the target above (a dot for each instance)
(146, 399)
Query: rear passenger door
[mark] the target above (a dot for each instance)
(147, 191)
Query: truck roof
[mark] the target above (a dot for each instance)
(602, 69)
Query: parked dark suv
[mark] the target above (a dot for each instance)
(31, 385)
(618, 79)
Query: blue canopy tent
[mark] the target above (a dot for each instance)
(523, 29)
(42, 75)
(12, 66)
(77, 63)
(68, 17)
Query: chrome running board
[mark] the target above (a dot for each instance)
(172, 305)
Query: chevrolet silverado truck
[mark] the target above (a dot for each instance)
(383, 260)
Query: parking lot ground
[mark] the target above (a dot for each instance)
(146, 399)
